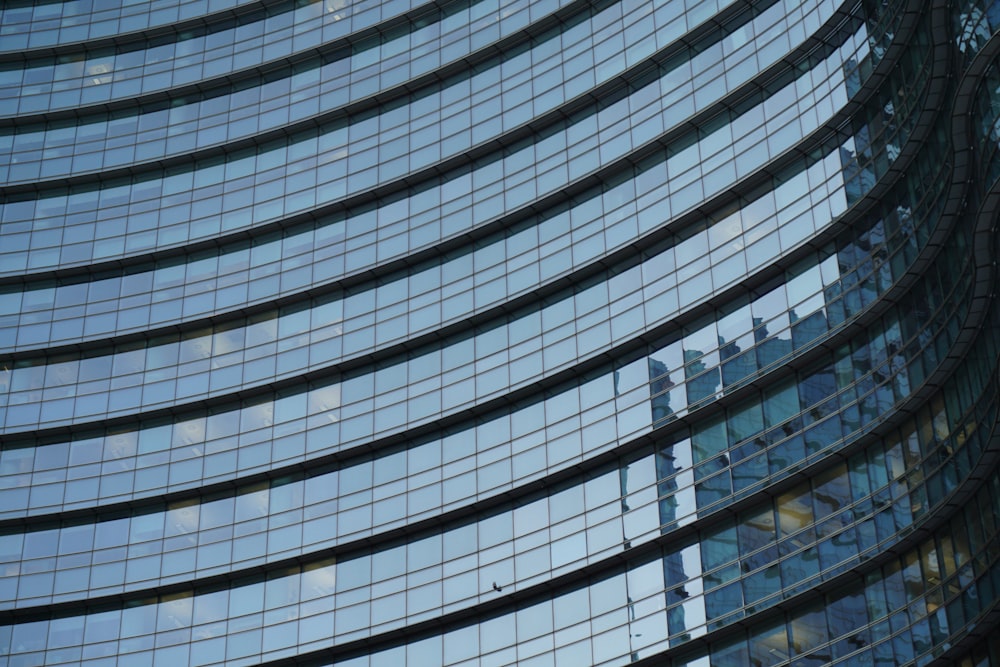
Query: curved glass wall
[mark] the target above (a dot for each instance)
(229, 111)
(280, 180)
(47, 24)
(656, 333)
(896, 233)
(334, 308)
(846, 514)
(741, 437)
(268, 265)
(788, 238)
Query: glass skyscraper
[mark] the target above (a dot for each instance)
(494, 332)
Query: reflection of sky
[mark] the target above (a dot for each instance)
(976, 25)
(186, 206)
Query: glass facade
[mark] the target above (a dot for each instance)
(544, 332)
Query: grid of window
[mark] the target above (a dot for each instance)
(750, 331)
(71, 24)
(847, 512)
(286, 502)
(855, 284)
(472, 333)
(163, 282)
(286, 178)
(234, 111)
